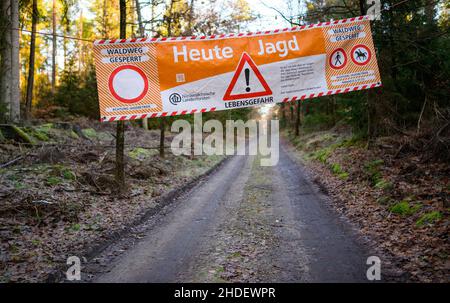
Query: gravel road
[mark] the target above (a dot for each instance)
(246, 223)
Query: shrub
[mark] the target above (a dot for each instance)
(317, 121)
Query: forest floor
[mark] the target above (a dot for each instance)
(394, 196)
(59, 194)
(58, 199)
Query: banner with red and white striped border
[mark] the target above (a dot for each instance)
(157, 77)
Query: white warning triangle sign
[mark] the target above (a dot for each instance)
(247, 81)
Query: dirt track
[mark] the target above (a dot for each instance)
(245, 223)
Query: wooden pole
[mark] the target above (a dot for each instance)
(120, 130)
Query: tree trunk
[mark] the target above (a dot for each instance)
(54, 49)
(297, 118)
(104, 27)
(141, 34)
(370, 108)
(139, 16)
(15, 62)
(30, 82)
(162, 137)
(362, 9)
(152, 23)
(291, 116)
(10, 78)
(283, 115)
(6, 60)
(120, 130)
(190, 19)
(80, 45)
(162, 122)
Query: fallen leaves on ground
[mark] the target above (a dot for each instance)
(60, 200)
(400, 202)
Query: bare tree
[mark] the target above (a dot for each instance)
(141, 33)
(120, 130)
(298, 117)
(162, 126)
(15, 62)
(6, 59)
(10, 79)
(54, 48)
(30, 82)
(141, 28)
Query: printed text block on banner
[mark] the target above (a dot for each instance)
(154, 77)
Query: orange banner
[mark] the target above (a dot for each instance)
(153, 77)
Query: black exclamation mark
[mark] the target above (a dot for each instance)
(247, 79)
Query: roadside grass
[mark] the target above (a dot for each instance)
(429, 218)
(52, 181)
(372, 170)
(338, 171)
(322, 146)
(399, 198)
(404, 208)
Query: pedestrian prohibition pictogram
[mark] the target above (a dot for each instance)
(247, 81)
(128, 84)
(338, 59)
(361, 54)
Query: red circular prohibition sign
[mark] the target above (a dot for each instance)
(136, 69)
(331, 57)
(369, 54)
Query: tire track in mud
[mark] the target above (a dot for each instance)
(247, 223)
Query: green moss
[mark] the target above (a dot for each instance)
(68, 174)
(236, 254)
(40, 135)
(18, 185)
(47, 126)
(336, 168)
(140, 153)
(75, 227)
(90, 133)
(23, 135)
(429, 218)
(343, 176)
(353, 141)
(53, 180)
(73, 135)
(14, 177)
(104, 136)
(60, 171)
(403, 208)
(384, 184)
(41, 132)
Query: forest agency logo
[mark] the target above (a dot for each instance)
(175, 98)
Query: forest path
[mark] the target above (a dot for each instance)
(246, 223)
